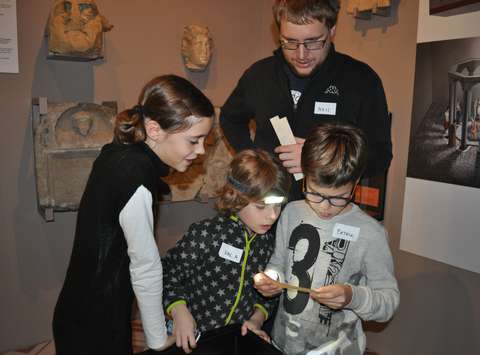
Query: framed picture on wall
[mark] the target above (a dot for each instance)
(442, 189)
(453, 7)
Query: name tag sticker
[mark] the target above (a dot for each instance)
(325, 108)
(230, 253)
(346, 232)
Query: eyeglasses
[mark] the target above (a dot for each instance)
(309, 45)
(337, 201)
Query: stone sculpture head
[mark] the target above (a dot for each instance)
(75, 27)
(82, 122)
(197, 47)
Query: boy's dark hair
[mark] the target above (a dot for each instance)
(252, 176)
(334, 155)
(302, 12)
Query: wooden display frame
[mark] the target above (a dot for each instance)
(438, 7)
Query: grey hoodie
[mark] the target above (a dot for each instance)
(312, 252)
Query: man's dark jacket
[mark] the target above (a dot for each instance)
(263, 92)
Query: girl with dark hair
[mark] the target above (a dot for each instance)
(115, 257)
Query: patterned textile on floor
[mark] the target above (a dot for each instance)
(48, 347)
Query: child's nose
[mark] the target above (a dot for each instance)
(272, 212)
(200, 149)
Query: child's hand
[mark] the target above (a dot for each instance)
(334, 296)
(249, 325)
(184, 328)
(265, 285)
(254, 324)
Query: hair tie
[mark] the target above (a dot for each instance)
(139, 110)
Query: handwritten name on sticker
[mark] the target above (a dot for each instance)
(231, 253)
(346, 232)
(325, 108)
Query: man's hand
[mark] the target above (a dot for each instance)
(265, 285)
(334, 296)
(291, 155)
(254, 324)
(184, 328)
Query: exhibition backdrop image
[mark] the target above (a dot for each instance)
(445, 129)
(442, 195)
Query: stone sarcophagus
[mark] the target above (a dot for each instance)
(67, 139)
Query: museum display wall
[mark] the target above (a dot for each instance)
(438, 302)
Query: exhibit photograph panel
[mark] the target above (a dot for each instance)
(442, 191)
(445, 130)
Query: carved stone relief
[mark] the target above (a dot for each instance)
(197, 47)
(75, 30)
(67, 139)
(363, 9)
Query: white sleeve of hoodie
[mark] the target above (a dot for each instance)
(136, 220)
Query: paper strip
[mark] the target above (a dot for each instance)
(285, 135)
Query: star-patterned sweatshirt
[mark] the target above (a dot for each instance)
(211, 270)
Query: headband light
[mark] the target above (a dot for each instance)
(271, 200)
(243, 188)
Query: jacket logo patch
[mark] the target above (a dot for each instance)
(333, 90)
(295, 96)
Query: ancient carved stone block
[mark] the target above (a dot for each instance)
(67, 139)
(363, 9)
(197, 47)
(75, 30)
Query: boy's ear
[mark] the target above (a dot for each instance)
(333, 30)
(154, 131)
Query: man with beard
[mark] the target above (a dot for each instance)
(309, 82)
